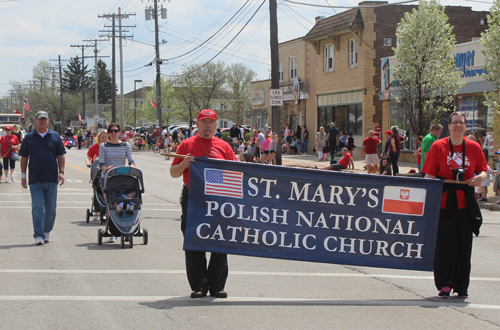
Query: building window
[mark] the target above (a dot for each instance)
(353, 53)
(281, 71)
(223, 106)
(293, 68)
(328, 58)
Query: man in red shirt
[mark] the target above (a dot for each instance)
(202, 278)
(460, 215)
(342, 164)
(369, 152)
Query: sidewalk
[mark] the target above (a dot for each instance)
(404, 167)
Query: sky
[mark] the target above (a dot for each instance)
(39, 30)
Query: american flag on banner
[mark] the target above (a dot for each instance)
(26, 105)
(223, 183)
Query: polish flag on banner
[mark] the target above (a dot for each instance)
(223, 183)
(152, 103)
(403, 200)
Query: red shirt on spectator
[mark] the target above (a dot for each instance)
(377, 132)
(93, 152)
(370, 144)
(5, 145)
(345, 160)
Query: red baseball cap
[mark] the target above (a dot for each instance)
(9, 128)
(207, 113)
(388, 132)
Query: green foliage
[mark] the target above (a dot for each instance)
(427, 78)
(104, 83)
(490, 40)
(72, 76)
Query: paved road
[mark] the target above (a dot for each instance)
(73, 283)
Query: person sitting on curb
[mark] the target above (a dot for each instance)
(342, 164)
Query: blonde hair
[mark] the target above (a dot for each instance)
(321, 129)
(98, 137)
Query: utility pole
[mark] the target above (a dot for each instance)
(61, 91)
(157, 61)
(275, 78)
(118, 16)
(83, 76)
(96, 80)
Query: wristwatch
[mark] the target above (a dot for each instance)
(61, 172)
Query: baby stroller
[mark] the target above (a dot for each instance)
(98, 202)
(120, 180)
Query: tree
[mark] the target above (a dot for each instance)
(195, 87)
(72, 76)
(428, 81)
(238, 87)
(42, 74)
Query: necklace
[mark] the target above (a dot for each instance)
(206, 151)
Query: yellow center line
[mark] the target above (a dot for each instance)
(78, 168)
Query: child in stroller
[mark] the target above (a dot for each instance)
(128, 205)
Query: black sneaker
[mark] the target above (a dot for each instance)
(219, 294)
(199, 293)
(463, 295)
(444, 292)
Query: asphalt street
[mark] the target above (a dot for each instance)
(73, 283)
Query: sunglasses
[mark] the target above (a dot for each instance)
(114, 131)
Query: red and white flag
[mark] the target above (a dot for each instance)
(223, 183)
(26, 105)
(79, 117)
(152, 103)
(404, 200)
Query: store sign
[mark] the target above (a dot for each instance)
(465, 63)
(258, 97)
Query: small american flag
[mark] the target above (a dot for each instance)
(223, 183)
(26, 105)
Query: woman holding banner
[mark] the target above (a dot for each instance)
(458, 159)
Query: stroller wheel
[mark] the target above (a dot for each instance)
(144, 236)
(88, 216)
(130, 241)
(100, 233)
(123, 241)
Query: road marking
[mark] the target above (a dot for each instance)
(290, 301)
(244, 273)
(78, 168)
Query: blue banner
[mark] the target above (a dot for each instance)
(312, 215)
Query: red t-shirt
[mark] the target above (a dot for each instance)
(345, 160)
(130, 135)
(370, 144)
(419, 157)
(93, 151)
(5, 145)
(437, 163)
(216, 148)
(378, 132)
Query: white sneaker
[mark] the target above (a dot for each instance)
(6, 180)
(39, 240)
(111, 240)
(11, 178)
(47, 238)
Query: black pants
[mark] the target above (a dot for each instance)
(332, 145)
(80, 139)
(394, 161)
(453, 252)
(199, 275)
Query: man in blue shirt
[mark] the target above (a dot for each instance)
(44, 151)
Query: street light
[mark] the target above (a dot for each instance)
(135, 103)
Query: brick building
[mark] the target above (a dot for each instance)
(340, 59)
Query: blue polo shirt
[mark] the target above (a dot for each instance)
(42, 156)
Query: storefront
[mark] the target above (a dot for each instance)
(345, 109)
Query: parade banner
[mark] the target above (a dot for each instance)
(312, 215)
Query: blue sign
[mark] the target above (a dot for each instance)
(312, 215)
